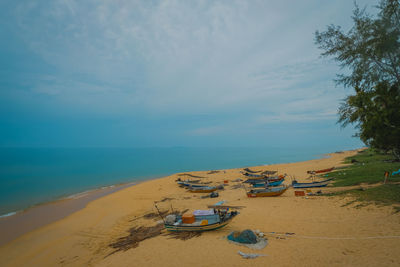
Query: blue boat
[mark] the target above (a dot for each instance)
(324, 183)
(262, 184)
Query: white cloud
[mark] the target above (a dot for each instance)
(297, 117)
(184, 56)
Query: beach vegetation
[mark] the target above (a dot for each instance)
(369, 53)
(367, 167)
(387, 194)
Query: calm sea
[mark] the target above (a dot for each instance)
(30, 176)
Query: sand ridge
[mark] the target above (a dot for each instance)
(325, 232)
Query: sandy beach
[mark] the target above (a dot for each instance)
(326, 232)
(32, 218)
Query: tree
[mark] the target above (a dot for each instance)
(377, 116)
(370, 52)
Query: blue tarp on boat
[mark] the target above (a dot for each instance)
(396, 172)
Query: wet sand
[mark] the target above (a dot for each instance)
(327, 231)
(28, 220)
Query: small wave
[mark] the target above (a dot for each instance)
(8, 214)
(87, 192)
(79, 195)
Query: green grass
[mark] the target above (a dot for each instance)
(387, 194)
(369, 168)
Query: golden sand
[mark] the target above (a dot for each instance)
(326, 233)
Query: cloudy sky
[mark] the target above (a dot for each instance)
(169, 73)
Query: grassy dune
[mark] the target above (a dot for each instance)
(368, 167)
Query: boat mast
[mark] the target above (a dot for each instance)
(155, 205)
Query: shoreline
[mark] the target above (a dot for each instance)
(46, 213)
(146, 178)
(63, 198)
(140, 180)
(25, 221)
(327, 229)
(76, 195)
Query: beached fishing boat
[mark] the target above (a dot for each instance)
(203, 189)
(324, 183)
(259, 176)
(269, 172)
(186, 184)
(187, 180)
(275, 178)
(263, 183)
(322, 171)
(265, 179)
(267, 192)
(199, 220)
(250, 171)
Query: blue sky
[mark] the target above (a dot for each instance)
(169, 73)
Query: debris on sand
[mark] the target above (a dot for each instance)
(211, 195)
(136, 235)
(184, 211)
(153, 215)
(236, 186)
(166, 199)
(212, 172)
(250, 256)
(182, 235)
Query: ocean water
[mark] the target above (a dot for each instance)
(29, 176)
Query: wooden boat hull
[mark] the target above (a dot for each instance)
(199, 228)
(321, 171)
(276, 178)
(266, 194)
(250, 171)
(270, 180)
(311, 185)
(202, 190)
(184, 184)
(254, 176)
(261, 184)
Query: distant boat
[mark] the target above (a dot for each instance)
(203, 189)
(267, 192)
(250, 171)
(254, 175)
(186, 184)
(199, 221)
(324, 183)
(264, 179)
(322, 171)
(187, 180)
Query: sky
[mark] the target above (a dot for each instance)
(169, 73)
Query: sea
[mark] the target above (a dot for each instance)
(31, 176)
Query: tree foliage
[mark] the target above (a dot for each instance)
(370, 49)
(370, 53)
(376, 114)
